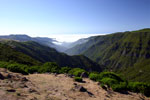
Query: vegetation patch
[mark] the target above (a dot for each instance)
(114, 81)
(78, 79)
(77, 72)
(64, 70)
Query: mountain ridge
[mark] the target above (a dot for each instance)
(44, 54)
(42, 40)
(121, 51)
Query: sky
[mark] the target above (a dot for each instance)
(69, 20)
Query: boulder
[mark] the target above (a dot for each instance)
(79, 88)
(1, 76)
(6, 75)
(84, 75)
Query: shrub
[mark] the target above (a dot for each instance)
(77, 72)
(98, 77)
(110, 75)
(3, 64)
(118, 84)
(78, 79)
(109, 81)
(19, 68)
(49, 67)
(64, 70)
(139, 87)
(32, 69)
(122, 86)
(94, 76)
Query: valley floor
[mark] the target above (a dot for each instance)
(15, 86)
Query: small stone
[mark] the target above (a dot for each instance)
(31, 90)
(11, 90)
(1, 76)
(24, 79)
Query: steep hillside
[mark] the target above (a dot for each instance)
(80, 48)
(69, 45)
(46, 54)
(7, 53)
(125, 52)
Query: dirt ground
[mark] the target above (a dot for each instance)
(55, 87)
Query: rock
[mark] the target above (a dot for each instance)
(24, 79)
(17, 77)
(3, 70)
(11, 90)
(33, 98)
(69, 75)
(19, 85)
(84, 75)
(80, 88)
(1, 76)
(5, 75)
(75, 84)
(30, 90)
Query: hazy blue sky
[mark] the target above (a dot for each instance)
(53, 17)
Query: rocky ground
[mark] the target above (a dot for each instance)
(14, 86)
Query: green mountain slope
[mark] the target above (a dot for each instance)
(46, 54)
(124, 51)
(121, 49)
(7, 53)
(127, 53)
(80, 48)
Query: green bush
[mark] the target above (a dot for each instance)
(64, 70)
(3, 64)
(78, 79)
(77, 72)
(19, 68)
(49, 67)
(110, 75)
(109, 81)
(94, 76)
(99, 77)
(32, 69)
(118, 84)
(141, 87)
(122, 86)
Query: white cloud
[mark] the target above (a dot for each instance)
(59, 37)
(70, 37)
